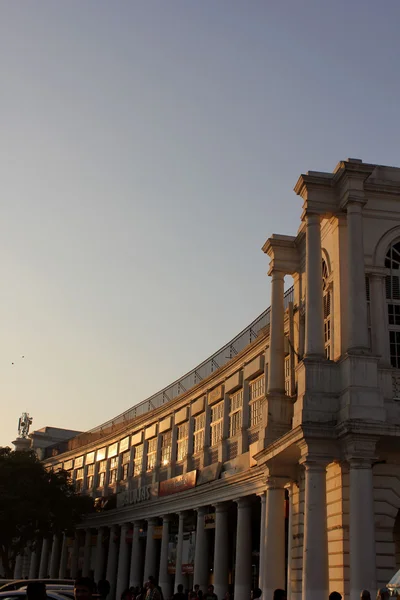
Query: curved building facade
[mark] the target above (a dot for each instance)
(276, 462)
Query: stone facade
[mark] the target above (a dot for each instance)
(290, 450)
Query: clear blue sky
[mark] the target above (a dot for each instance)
(147, 151)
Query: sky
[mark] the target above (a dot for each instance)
(147, 151)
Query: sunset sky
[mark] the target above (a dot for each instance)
(148, 149)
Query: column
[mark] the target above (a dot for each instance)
(44, 558)
(100, 555)
(357, 301)
(243, 550)
(150, 566)
(135, 575)
(179, 577)
(112, 559)
(64, 557)
(18, 567)
(290, 543)
(362, 529)
(315, 542)
(164, 578)
(314, 338)
(221, 550)
(263, 498)
(34, 566)
(201, 552)
(75, 557)
(87, 552)
(55, 557)
(276, 368)
(123, 561)
(379, 318)
(274, 554)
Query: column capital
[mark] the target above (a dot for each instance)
(354, 202)
(221, 507)
(152, 521)
(201, 511)
(125, 525)
(360, 450)
(277, 483)
(243, 502)
(166, 518)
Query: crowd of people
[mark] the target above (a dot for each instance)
(85, 588)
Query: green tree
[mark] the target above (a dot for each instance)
(34, 503)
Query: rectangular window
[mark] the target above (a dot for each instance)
(138, 460)
(394, 337)
(113, 470)
(90, 477)
(79, 480)
(166, 447)
(327, 324)
(151, 454)
(235, 413)
(125, 459)
(102, 473)
(287, 376)
(257, 392)
(182, 441)
(217, 423)
(257, 388)
(198, 433)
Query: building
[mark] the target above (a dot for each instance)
(42, 438)
(277, 461)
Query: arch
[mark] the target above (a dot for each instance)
(325, 257)
(383, 245)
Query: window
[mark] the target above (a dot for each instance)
(235, 413)
(257, 392)
(113, 470)
(90, 477)
(79, 480)
(217, 423)
(182, 441)
(198, 432)
(151, 454)
(327, 310)
(166, 447)
(138, 460)
(102, 473)
(125, 459)
(288, 386)
(392, 262)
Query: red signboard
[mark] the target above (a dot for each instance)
(178, 484)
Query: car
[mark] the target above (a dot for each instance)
(17, 584)
(21, 595)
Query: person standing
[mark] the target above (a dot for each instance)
(280, 594)
(179, 594)
(210, 595)
(383, 594)
(365, 595)
(153, 592)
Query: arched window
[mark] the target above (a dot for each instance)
(327, 310)
(392, 262)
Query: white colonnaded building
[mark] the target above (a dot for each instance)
(276, 462)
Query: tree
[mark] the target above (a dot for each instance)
(34, 503)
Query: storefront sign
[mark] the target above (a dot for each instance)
(210, 473)
(178, 484)
(142, 494)
(157, 532)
